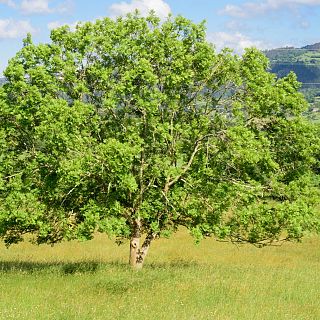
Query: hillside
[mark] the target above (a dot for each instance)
(304, 61)
(315, 46)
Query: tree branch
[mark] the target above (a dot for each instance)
(169, 182)
(142, 252)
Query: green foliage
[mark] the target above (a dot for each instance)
(305, 63)
(141, 120)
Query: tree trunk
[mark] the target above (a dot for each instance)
(144, 250)
(135, 243)
(134, 249)
(137, 254)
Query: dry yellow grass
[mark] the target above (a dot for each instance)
(180, 280)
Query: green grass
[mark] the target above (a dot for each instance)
(179, 281)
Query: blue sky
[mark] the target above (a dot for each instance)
(233, 23)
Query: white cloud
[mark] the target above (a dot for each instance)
(43, 7)
(9, 3)
(246, 10)
(304, 24)
(237, 25)
(65, 7)
(56, 24)
(236, 41)
(35, 6)
(11, 29)
(161, 8)
(249, 9)
(306, 2)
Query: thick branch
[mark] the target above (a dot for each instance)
(196, 148)
(144, 249)
(135, 243)
(169, 182)
(205, 82)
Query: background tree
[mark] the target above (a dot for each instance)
(135, 127)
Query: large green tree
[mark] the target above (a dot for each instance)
(135, 127)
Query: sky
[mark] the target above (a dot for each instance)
(236, 24)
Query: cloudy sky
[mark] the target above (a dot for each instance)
(233, 23)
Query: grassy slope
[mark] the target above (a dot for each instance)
(180, 281)
(306, 64)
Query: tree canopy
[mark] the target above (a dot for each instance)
(134, 127)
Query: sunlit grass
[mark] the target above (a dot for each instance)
(180, 280)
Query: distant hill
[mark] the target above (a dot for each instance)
(304, 61)
(315, 46)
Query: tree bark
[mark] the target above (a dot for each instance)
(143, 251)
(134, 249)
(137, 253)
(135, 243)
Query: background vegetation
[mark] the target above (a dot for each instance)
(305, 63)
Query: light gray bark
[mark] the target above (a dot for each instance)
(137, 253)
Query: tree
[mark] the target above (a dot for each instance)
(136, 127)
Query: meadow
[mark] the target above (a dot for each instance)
(180, 280)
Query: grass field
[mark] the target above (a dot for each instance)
(180, 280)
